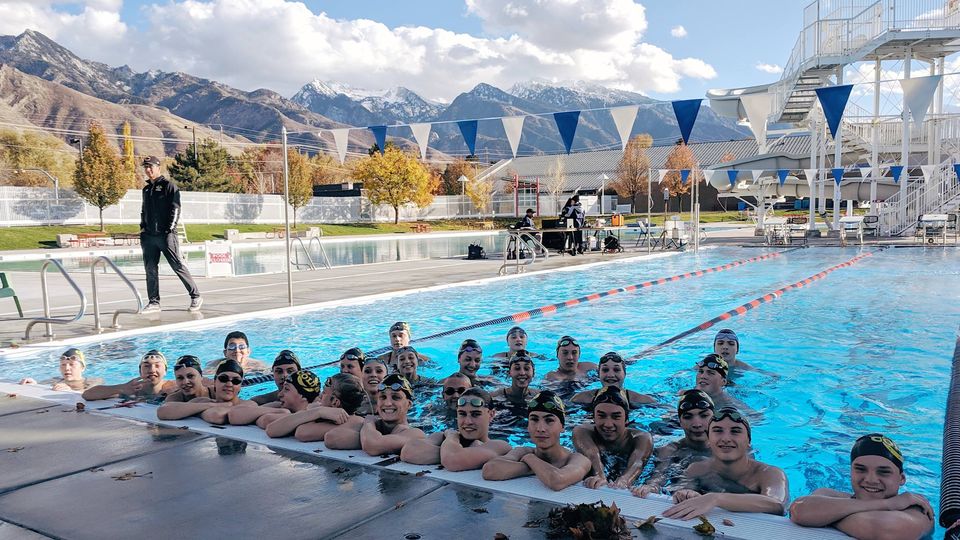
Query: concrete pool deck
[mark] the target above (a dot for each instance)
(93, 474)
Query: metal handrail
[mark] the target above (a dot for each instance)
(296, 254)
(323, 254)
(320, 251)
(47, 319)
(96, 303)
(526, 237)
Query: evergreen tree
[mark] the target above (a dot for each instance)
(395, 178)
(99, 173)
(206, 172)
(300, 181)
(129, 161)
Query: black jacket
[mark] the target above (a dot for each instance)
(161, 207)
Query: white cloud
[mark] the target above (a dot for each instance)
(769, 68)
(281, 44)
(678, 31)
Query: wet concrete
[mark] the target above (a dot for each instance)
(12, 404)
(9, 531)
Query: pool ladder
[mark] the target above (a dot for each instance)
(306, 250)
(96, 303)
(519, 239)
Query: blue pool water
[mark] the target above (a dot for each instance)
(865, 349)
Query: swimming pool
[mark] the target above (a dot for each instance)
(270, 257)
(865, 349)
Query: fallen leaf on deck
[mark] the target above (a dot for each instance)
(728, 523)
(500, 536)
(647, 523)
(533, 524)
(421, 473)
(340, 470)
(131, 475)
(399, 505)
(81, 407)
(705, 527)
(15, 449)
(481, 510)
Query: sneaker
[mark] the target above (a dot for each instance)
(195, 304)
(152, 307)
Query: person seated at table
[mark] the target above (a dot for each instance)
(730, 479)
(613, 372)
(521, 374)
(876, 509)
(569, 366)
(617, 453)
(550, 462)
(285, 364)
(694, 412)
(516, 341)
(351, 362)
(388, 430)
(226, 394)
(341, 392)
(149, 386)
(236, 347)
(188, 374)
(399, 337)
(374, 371)
(72, 365)
(465, 448)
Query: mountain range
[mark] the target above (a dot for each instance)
(158, 103)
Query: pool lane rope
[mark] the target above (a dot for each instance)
(950, 466)
(740, 310)
(553, 308)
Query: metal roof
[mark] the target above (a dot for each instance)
(583, 169)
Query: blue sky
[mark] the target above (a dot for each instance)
(279, 45)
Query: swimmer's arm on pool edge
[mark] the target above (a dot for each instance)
(557, 478)
(901, 517)
(658, 477)
(180, 410)
(584, 443)
(508, 466)
(286, 424)
(422, 451)
(640, 453)
(454, 457)
(375, 443)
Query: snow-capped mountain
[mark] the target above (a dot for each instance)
(357, 106)
(576, 95)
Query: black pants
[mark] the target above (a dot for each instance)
(152, 246)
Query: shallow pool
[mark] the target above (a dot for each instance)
(867, 348)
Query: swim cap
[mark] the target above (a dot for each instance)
(516, 330)
(306, 383)
(471, 396)
(469, 345)
(400, 326)
(612, 394)
(354, 353)
(716, 363)
(188, 361)
(520, 356)
(286, 356)
(396, 382)
(727, 333)
(611, 357)
(547, 402)
(408, 348)
(565, 341)
(157, 354)
(73, 351)
(694, 399)
(876, 444)
(378, 359)
(733, 414)
(231, 366)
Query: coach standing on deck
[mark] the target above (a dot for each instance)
(158, 234)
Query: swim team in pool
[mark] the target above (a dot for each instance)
(366, 405)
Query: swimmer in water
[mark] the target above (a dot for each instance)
(694, 412)
(453, 387)
(516, 341)
(521, 374)
(712, 378)
(466, 448)
(388, 431)
(226, 392)
(150, 385)
(612, 371)
(188, 373)
(876, 508)
(399, 334)
(727, 345)
(730, 479)
(72, 365)
(351, 362)
(617, 453)
(299, 390)
(408, 360)
(555, 466)
(569, 366)
(469, 357)
(374, 371)
(236, 347)
(285, 364)
(341, 391)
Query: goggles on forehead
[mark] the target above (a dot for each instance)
(567, 340)
(188, 361)
(611, 357)
(473, 401)
(553, 404)
(685, 406)
(731, 413)
(612, 394)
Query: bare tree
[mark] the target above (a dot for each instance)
(633, 170)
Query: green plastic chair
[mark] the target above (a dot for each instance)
(6, 291)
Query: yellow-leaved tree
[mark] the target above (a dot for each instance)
(395, 178)
(681, 157)
(99, 176)
(300, 181)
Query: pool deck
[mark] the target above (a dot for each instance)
(111, 469)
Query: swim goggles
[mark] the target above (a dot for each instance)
(611, 357)
(472, 401)
(469, 345)
(398, 384)
(516, 330)
(406, 349)
(521, 356)
(237, 347)
(188, 361)
(450, 390)
(612, 394)
(567, 340)
(224, 378)
(685, 406)
(552, 403)
(153, 355)
(353, 354)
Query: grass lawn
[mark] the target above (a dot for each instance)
(12, 238)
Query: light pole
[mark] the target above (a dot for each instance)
(195, 159)
(79, 142)
(56, 182)
(603, 187)
(463, 190)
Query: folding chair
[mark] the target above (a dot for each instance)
(6, 291)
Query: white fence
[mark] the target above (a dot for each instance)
(21, 206)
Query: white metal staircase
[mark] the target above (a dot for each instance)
(940, 194)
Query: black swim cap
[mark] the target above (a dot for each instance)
(520, 356)
(230, 365)
(876, 444)
(715, 362)
(733, 414)
(286, 356)
(694, 399)
(188, 361)
(547, 402)
(612, 394)
(306, 383)
(397, 383)
(354, 353)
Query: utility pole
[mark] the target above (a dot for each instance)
(194, 128)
